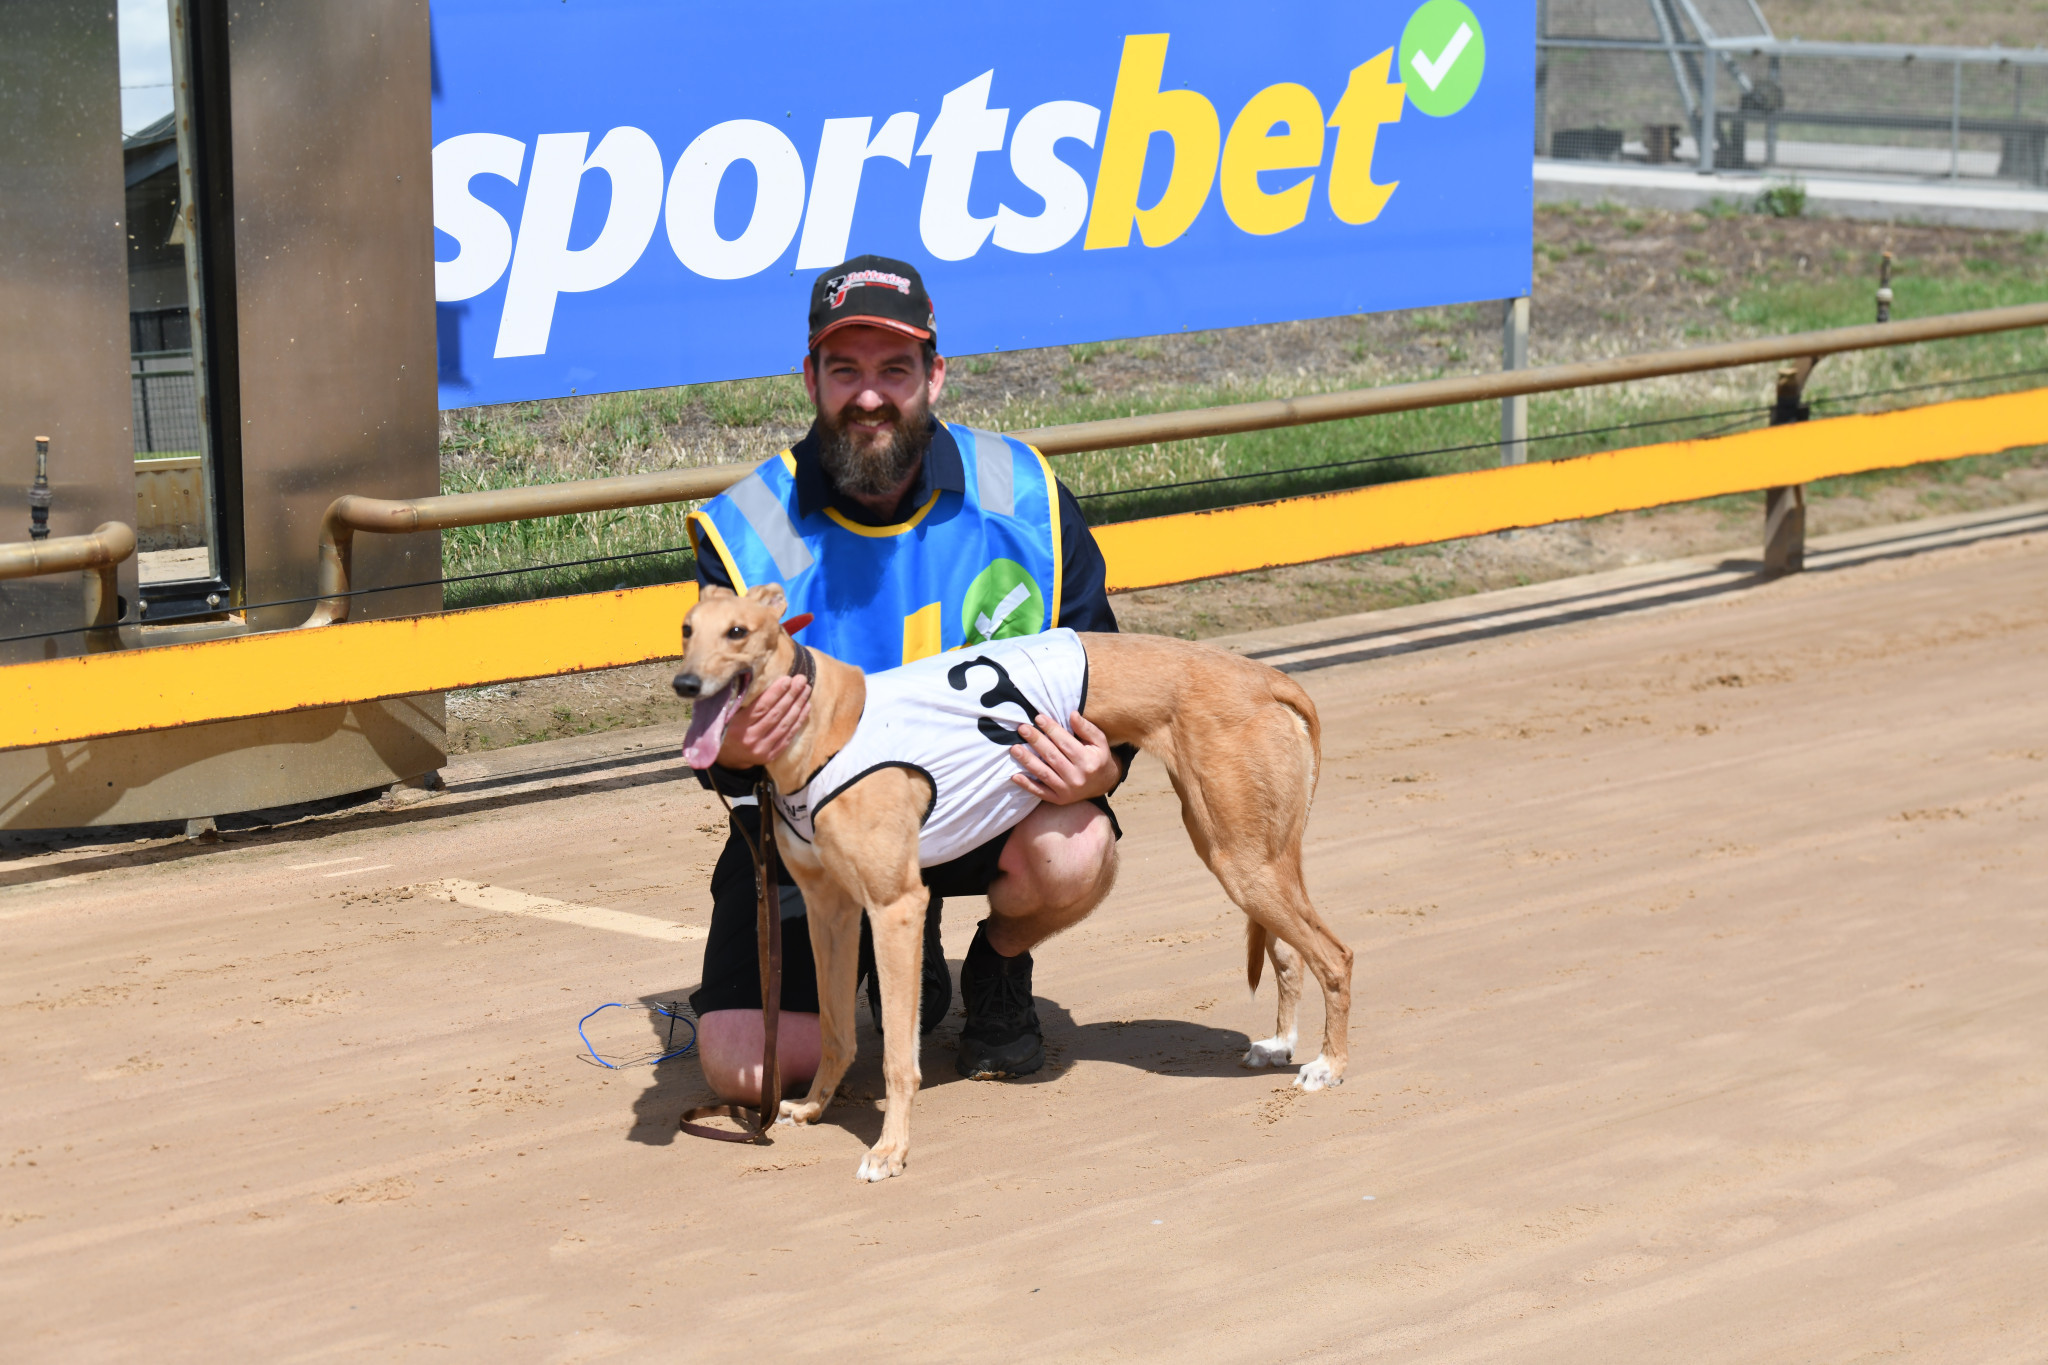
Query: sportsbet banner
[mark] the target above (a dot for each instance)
(630, 194)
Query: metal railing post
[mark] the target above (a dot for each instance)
(1514, 355)
(1708, 118)
(142, 386)
(1955, 126)
(1785, 506)
(1771, 120)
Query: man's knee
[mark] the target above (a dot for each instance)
(1058, 856)
(729, 1050)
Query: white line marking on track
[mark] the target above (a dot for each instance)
(351, 871)
(477, 896)
(324, 862)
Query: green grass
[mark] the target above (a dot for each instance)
(521, 444)
(751, 402)
(1783, 201)
(1788, 302)
(561, 540)
(532, 443)
(492, 448)
(1795, 304)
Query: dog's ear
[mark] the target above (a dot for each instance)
(711, 590)
(769, 595)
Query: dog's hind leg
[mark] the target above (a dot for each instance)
(1279, 1049)
(1272, 893)
(1266, 764)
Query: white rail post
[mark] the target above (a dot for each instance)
(1514, 355)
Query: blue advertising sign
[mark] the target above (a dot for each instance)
(632, 193)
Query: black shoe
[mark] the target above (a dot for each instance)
(1001, 1036)
(936, 989)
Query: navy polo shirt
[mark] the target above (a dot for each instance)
(1084, 602)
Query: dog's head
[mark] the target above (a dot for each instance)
(730, 652)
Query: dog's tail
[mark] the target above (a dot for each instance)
(1254, 952)
(1295, 698)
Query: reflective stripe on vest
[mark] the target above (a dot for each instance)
(995, 472)
(771, 525)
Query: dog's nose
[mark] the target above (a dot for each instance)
(688, 684)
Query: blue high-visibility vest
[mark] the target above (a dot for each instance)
(960, 569)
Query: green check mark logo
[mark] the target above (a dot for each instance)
(1443, 55)
(1003, 601)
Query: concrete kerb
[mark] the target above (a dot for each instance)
(1593, 182)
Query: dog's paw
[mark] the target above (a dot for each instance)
(1317, 1075)
(881, 1163)
(795, 1113)
(1275, 1051)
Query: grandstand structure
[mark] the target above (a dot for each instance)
(1708, 83)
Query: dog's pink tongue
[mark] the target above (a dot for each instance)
(708, 717)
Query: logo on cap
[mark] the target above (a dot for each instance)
(855, 279)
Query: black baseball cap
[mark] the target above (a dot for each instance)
(873, 291)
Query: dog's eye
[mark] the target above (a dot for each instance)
(686, 632)
(736, 633)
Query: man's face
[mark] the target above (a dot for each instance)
(874, 401)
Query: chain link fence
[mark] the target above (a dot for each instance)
(1704, 83)
(163, 387)
(165, 395)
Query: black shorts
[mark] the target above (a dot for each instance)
(732, 963)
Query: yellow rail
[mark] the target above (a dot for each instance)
(61, 700)
(1192, 545)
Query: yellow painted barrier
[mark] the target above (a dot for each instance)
(1176, 549)
(293, 670)
(91, 695)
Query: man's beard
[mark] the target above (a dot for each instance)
(860, 468)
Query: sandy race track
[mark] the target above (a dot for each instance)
(1703, 1015)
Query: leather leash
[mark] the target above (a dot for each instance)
(756, 1121)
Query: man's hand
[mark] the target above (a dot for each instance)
(1062, 766)
(762, 729)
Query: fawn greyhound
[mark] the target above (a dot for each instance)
(1241, 744)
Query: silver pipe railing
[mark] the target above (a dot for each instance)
(100, 554)
(350, 514)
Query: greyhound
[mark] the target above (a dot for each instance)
(1241, 743)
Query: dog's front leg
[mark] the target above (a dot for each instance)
(835, 946)
(867, 839)
(899, 963)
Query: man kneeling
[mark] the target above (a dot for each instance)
(891, 528)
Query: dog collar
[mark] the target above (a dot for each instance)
(805, 666)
